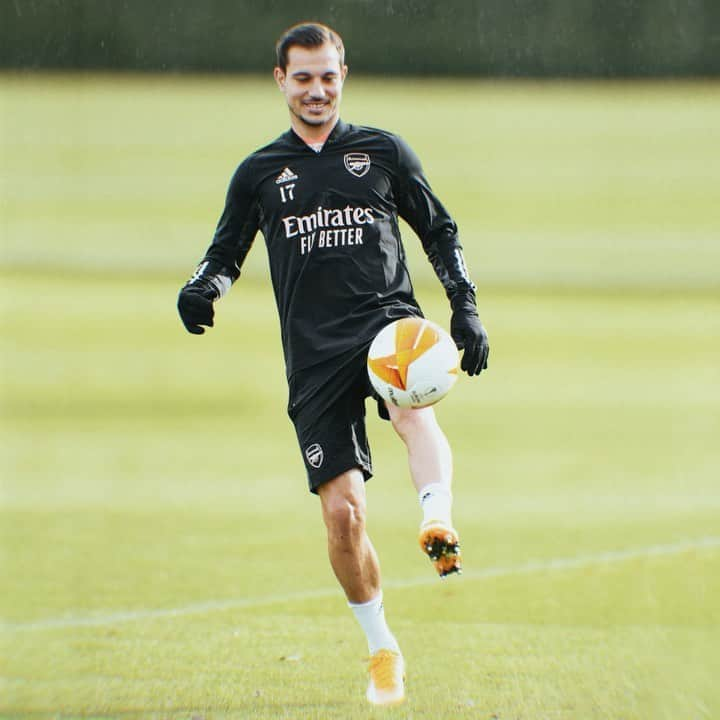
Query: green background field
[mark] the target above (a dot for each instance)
(161, 556)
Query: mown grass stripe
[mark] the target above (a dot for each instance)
(549, 565)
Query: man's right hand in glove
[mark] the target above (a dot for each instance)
(195, 305)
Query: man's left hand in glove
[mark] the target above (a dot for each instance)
(469, 334)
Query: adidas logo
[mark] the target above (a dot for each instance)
(285, 176)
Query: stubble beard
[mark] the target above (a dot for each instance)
(314, 122)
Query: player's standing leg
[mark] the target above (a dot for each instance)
(357, 569)
(430, 461)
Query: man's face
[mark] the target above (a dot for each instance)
(312, 84)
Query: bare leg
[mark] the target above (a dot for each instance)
(356, 567)
(430, 463)
(352, 555)
(429, 453)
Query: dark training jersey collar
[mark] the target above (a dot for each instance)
(335, 135)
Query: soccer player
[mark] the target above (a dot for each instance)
(326, 196)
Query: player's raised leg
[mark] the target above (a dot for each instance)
(430, 461)
(356, 567)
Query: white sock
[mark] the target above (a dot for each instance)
(436, 503)
(371, 616)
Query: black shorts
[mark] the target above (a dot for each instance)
(327, 407)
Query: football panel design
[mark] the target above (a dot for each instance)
(412, 362)
(437, 367)
(413, 337)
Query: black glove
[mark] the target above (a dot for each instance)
(195, 305)
(469, 334)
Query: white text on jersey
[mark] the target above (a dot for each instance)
(322, 218)
(328, 228)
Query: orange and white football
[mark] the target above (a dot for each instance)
(413, 362)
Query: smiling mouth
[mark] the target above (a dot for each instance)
(315, 106)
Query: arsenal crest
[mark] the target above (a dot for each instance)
(315, 455)
(357, 164)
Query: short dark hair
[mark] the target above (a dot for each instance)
(309, 35)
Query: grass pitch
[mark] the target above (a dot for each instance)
(160, 554)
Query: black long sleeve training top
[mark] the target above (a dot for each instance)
(330, 223)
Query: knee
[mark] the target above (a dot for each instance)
(409, 422)
(344, 513)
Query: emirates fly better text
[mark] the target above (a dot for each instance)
(328, 228)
